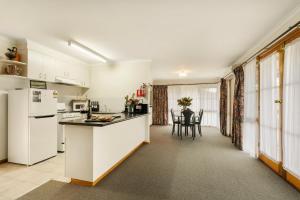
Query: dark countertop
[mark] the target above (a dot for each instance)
(82, 122)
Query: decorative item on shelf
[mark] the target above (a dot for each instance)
(184, 102)
(13, 69)
(11, 53)
(130, 103)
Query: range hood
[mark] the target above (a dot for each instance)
(65, 81)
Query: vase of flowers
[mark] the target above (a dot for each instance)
(130, 103)
(184, 102)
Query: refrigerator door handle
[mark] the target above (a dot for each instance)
(44, 116)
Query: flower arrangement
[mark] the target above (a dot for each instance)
(185, 102)
(130, 103)
(131, 100)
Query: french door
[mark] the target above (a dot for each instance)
(270, 141)
(279, 107)
(291, 112)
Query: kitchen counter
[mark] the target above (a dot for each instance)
(95, 149)
(82, 122)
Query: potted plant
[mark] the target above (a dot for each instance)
(184, 102)
(130, 103)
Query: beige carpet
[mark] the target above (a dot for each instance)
(209, 168)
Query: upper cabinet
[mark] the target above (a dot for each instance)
(40, 66)
(47, 65)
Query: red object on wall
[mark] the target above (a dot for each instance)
(143, 92)
(140, 92)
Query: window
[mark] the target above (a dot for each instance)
(250, 126)
(204, 97)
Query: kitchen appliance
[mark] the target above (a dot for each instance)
(95, 106)
(62, 114)
(61, 107)
(32, 129)
(61, 80)
(141, 108)
(80, 105)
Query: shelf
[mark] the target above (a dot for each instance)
(12, 76)
(12, 62)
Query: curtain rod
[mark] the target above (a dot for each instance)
(191, 84)
(227, 75)
(272, 42)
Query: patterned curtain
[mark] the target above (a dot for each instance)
(238, 107)
(160, 105)
(223, 107)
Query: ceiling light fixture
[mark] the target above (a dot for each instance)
(87, 51)
(182, 73)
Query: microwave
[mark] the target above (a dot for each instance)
(141, 108)
(80, 105)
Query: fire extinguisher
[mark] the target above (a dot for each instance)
(138, 93)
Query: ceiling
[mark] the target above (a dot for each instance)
(202, 37)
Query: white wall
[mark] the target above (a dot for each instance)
(283, 25)
(111, 83)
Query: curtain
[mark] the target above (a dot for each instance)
(250, 125)
(160, 105)
(270, 144)
(238, 107)
(291, 109)
(204, 97)
(223, 107)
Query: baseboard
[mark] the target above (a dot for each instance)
(276, 167)
(88, 183)
(293, 180)
(3, 161)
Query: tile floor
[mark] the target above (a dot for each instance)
(16, 180)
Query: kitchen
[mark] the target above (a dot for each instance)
(72, 83)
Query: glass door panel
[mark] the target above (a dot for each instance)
(270, 136)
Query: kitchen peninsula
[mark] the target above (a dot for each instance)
(94, 149)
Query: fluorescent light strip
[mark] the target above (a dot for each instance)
(87, 51)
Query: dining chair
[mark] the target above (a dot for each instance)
(198, 121)
(175, 121)
(188, 121)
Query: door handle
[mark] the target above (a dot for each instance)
(277, 101)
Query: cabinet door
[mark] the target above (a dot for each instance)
(49, 69)
(35, 65)
(86, 76)
(59, 68)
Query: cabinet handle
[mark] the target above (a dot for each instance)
(45, 76)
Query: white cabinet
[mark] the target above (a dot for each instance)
(40, 66)
(35, 66)
(46, 68)
(62, 69)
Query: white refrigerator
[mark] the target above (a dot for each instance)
(32, 125)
